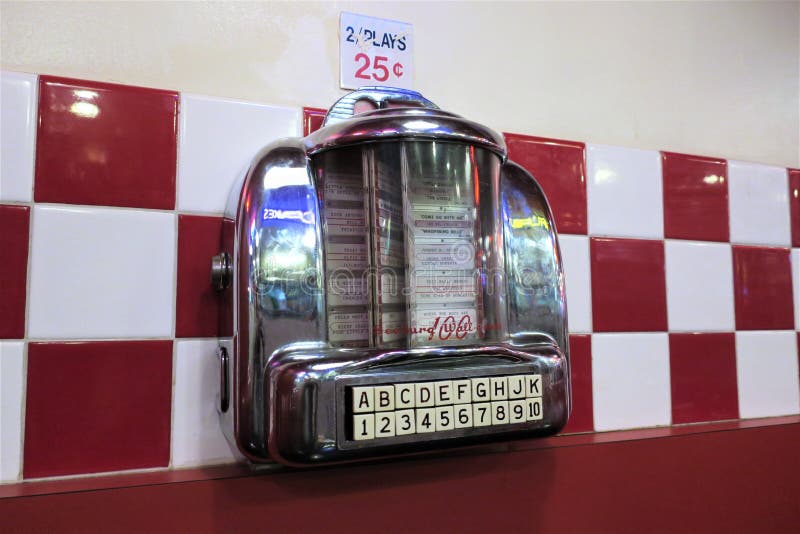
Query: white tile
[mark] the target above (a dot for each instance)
(699, 286)
(766, 373)
(533, 386)
(480, 389)
(384, 398)
(12, 379)
(517, 409)
(101, 273)
(363, 399)
(426, 420)
(500, 415)
(499, 387)
(463, 415)
(404, 395)
(197, 436)
(462, 391)
(219, 138)
(18, 111)
(384, 425)
(364, 426)
(404, 422)
(424, 394)
(759, 204)
(481, 414)
(624, 192)
(578, 280)
(517, 386)
(796, 283)
(444, 392)
(445, 418)
(630, 380)
(535, 409)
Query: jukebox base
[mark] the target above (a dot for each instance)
(356, 408)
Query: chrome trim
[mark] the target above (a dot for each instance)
(272, 263)
(381, 97)
(404, 123)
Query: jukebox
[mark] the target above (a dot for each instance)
(397, 287)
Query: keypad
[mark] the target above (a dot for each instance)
(388, 410)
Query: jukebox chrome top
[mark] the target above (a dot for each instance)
(391, 252)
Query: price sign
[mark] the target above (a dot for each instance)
(375, 51)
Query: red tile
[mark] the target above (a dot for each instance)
(105, 144)
(695, 197)
(560, 168)
(703, 377)
(97, 406)
(312, 119)
(199, 306)
(628, 285)
(794, 204)
(580, 360)
(762, 288)
(14, 228)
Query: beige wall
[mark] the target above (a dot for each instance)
(716, 78)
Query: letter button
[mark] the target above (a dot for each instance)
(444, 392)
(516, 387)
(404, 395)
(499, 387)
(462, 391)
(384, 398)
(363, 399)
(533, 385)
(480, 389)
(425, 396)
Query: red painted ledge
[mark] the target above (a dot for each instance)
(743, 479)
(159, 477)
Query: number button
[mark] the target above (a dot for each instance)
(384, 425)
(463, 416)
(426, 420)
(363, 427)
(481, 414)
(404, 422)
(535, 409)
(445, 419)
(500, 413)
(517, 411)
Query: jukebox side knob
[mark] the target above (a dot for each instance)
(221, 273)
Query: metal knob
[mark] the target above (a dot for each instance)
(221, 272)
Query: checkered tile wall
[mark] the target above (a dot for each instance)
(683, 286)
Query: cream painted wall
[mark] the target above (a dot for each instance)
(717, 78)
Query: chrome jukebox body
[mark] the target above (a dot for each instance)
(397, 287)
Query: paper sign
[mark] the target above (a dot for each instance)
(375, 51)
